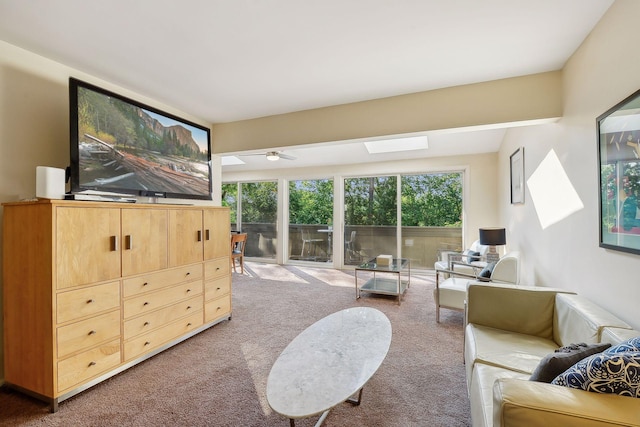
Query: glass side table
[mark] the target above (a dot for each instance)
(400, 267)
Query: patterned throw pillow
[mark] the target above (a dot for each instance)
(562, 359)
(617, 373)
(632, 344)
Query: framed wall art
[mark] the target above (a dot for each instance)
(618, 131)
(517, 176)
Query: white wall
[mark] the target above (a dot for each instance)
(602, 72)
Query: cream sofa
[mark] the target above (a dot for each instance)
(509, 329)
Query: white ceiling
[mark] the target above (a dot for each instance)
(227, 60)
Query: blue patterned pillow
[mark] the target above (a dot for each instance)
(617, 373)
(632, 344)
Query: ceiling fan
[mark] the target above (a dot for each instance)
(273, 155)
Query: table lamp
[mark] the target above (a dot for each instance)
(493, 237)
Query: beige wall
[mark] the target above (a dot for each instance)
(602, 72)
(499, 101)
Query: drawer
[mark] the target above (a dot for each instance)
(155, 319)
(77, 369)
(166, 296)
(217, 267)
(87, 333)
(216, 288)
(154, 281)
(217, 308)
(154, 339)
(87, 301)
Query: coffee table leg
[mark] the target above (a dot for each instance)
(355, 401)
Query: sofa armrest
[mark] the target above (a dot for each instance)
(522, 309)
(519, 402)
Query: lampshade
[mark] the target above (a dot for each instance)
(493, 236)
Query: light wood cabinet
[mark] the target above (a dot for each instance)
(91, 288)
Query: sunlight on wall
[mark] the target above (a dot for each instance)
(554, 198)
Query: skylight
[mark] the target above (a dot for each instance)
(399, 144)
(231, 160)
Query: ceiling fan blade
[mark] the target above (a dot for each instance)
(286, 156)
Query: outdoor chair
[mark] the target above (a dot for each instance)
(238, 243)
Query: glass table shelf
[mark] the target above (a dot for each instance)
(400, 267)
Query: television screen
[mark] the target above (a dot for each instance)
(122, 146)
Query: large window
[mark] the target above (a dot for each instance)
(425, 218)
(410, 216)
(254, 207)
(311, 220)
(370, 217)
(431, 216)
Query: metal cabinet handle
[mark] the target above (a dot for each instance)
(206, 234)
(91, 333)
(199, 235)
(114, 243)
(128, 242)
(91, 364)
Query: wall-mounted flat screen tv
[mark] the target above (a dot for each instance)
(119, 145)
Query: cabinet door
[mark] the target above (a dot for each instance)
(144, 240)
(185, 236)
(87, 245)
(217, 229)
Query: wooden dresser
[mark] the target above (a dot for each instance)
(92, 288)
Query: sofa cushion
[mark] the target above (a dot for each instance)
(617, 373)
(452, 292)
(555, 363)
(510, 350)
(481, 388)
(617, 335)
(577, 319)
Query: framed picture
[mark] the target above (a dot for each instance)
(618, 132)
(517, 176)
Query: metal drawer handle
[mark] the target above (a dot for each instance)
(188, 307)
(91, 364)
(188, 290)
(92, 332)
(188, 324)
(89, 301)
(147, 343)
(206, 233)
(145, 303)
(145, 283)
(146, 324)
(218, 288)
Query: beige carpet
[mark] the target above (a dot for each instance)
(218, 378)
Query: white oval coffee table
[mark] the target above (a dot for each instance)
(328, 363)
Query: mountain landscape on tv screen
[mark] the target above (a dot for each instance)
(124, 146)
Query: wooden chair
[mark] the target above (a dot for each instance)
(238, 243)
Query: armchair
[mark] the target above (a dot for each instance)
(470, 261)
(452, 292)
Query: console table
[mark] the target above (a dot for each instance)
(385, 285)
